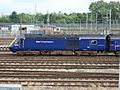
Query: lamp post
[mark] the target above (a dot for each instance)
(119, 67)
(80, 25)
(86, 21)
(96, 20)
(48, 18)
(110, 22)
(91, 21)
(20, 29)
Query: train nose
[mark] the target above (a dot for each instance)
(12, 48)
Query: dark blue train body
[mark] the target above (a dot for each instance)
(66, 43)
(114, 43)
(92, 43)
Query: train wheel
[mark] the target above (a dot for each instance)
(21, 53)
(93, 53)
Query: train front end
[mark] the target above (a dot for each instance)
(14, 46)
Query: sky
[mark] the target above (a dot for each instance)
(32, 6)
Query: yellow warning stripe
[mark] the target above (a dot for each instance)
(12, 42)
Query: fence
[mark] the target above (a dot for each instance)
(73, 29)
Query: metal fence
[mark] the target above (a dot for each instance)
(73, 29)
(88, 26)
(6, 34)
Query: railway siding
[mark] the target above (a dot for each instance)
(59, 70)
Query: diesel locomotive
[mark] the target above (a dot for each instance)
(77, 44)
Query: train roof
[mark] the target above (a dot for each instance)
(92, 37)
(63, 36)
(115, 36)
(48, 36)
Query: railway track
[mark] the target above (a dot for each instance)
(78, 83)
(58, 57)
(4, 44)
(4, 48)
(58, 74)
(6, 41)
(30, 70)
(59, 67)
(58, 62)
(53, 62)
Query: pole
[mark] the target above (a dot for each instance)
(35, 13)
(119, 76)
(48, 18)
(91, 21)
(80, 25)
(107, 27)
(96, 21)
(20, 26)
(110, 23)
(86, 21)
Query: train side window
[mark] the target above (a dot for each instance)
(93, 42)
(112, 42)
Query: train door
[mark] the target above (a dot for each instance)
(112, 45)
(72, 43)
(21, 43)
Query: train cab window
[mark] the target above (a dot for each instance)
(93, 42)
(20, 41)
(16, 42)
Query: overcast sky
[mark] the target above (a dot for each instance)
(28, 6)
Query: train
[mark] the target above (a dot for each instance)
(77, 44)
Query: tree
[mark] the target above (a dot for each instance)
(39, 17)
(14, 17)
(26, 18)
(4, 19)
(115, 9)
(102, 8)
(99, 7)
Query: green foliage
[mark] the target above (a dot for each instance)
(115, 9)
(39, 17)
(5, 19)
(102, 8)
(14, 17)
(99, 8)
(26, 18)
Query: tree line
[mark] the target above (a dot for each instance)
(99, 11)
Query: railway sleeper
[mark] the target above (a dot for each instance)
(60, 52)
(63, 83)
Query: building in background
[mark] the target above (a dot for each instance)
(32, 29)
(47, 29)
(15, 29)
